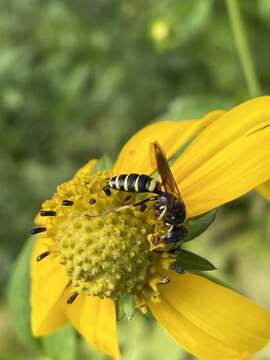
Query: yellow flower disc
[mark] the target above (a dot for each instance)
(101, 240)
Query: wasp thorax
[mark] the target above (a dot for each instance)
(105, 252)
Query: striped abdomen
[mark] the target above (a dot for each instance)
(134, 183)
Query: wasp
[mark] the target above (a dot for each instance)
(169, 204)
(134, 183)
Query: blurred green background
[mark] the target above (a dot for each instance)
(78, 78)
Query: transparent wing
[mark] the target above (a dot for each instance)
(164, 170)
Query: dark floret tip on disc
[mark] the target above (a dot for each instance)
(72, 298)
(43, 255)
(37, 230)
(47, 212)
(67, 202)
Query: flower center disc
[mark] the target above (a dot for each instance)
(102, 243)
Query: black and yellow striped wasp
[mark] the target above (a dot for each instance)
(168, 202)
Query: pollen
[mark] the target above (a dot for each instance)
(102, 241)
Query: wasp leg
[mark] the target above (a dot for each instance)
(143, 207)
(175, 250)
(156, 237)
(116, 209)
(107, 190)
(163, 212)
(151, 198)
(173, 239)
(142, 204)
(178, 269)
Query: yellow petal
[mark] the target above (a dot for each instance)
(87, 168)
(95, 320)
(172, 135)
(209, 320)
(264, 190)
(229, 157)
(48, 283)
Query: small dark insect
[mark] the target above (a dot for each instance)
(169, 204)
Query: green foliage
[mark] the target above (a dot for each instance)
(77, 79)
(197, 225)
(104, 163)
(19, 295)
(182, 21)
(126, 307)
(140, 339)
(61, 345)
(195, 106)
(190, 261)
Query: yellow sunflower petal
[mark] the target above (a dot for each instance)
(95, 320)
(264, 190)
(48, 283)
(229, 157)
(87, 167)
(40, 220)
(210, 321)
(172, 135)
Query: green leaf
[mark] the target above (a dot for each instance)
(264, 10)
(184, 20)
(196, 106)
(144, 332)
(61, 344)
(126, 307)
(120, 315)
(19, 296)
(104, 163)
(197, 225)
(190, 261)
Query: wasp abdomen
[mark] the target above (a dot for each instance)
(138, 183)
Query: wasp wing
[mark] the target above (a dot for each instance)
(164, 171)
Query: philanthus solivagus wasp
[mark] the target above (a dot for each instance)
(168, 202)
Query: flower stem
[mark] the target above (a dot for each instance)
(241, 43)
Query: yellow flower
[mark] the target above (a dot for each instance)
(94, 259)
